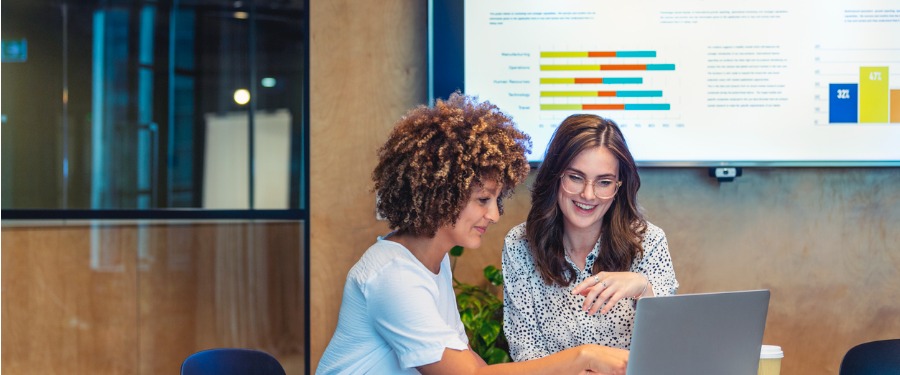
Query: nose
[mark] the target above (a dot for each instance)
(588, 191)
(493, 213)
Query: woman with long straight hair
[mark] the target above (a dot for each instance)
(585, 247)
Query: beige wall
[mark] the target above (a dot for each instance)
(825, 241)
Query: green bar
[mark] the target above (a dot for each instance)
(557, 80)
(564, 54)
(568, 93)
(570, 67)
(560, 107)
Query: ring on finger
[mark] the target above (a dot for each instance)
(596, 279)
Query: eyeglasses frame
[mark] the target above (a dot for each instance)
(587, 182)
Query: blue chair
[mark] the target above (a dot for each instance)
(872, 358)
(231, 361)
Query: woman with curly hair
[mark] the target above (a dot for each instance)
(441, 178)
(585, 247)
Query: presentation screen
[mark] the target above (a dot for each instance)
(690, 82)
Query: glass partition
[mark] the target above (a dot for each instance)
(130, 111)
(146, 105)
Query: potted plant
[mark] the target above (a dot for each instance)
(481, 312)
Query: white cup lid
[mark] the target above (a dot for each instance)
(770, 352)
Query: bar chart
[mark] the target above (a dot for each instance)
(870, 100)
(579, 81)
(859, 85)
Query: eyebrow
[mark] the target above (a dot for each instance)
(480, 189)
(610, 175)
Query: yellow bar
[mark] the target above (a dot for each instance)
(568, 93)
(557, 80)
(873, 94)
(895, 106)
(564, 54)
(559, 107)
(570, 67)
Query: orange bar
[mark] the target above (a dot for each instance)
(606, 93)
(895, 106)
(601, 54)
(588, 80)
(624, 67)
(602, 106)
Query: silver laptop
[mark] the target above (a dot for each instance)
(690, 334)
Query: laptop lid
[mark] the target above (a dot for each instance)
(690, 334)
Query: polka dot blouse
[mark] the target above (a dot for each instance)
(541, 319)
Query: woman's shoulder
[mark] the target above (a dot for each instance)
(515, 244)
(515, 240)
(381, 256)
(653, 231)
(653, 236)
(516, 233)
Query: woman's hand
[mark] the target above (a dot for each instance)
(605, 360)
(605, 289)
(582, 359)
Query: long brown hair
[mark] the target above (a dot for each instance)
(622, 227)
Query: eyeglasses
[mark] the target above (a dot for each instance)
(604, 188)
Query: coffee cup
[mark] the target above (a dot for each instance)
(770, 360)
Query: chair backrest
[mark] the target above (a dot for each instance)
(231, 361)
(873, 358)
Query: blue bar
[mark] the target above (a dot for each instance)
(638, 94)
(628, 80)
(635, 53)
(660, 66)
(842, 103)
(647, 107)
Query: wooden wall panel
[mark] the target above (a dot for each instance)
(66, 308)
(139, 298)
(367, 64)
(167, 294)
(824, 240)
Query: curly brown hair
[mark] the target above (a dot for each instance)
(435, 155)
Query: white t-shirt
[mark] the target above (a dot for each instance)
(395, 315)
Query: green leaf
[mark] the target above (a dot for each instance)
(467, 317)
(462, 301)
(477, 304)
(456, 251)
(489, 331)
(496, 355)
(481, 312)
(494, 275)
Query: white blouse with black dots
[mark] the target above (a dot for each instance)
(541, 319)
